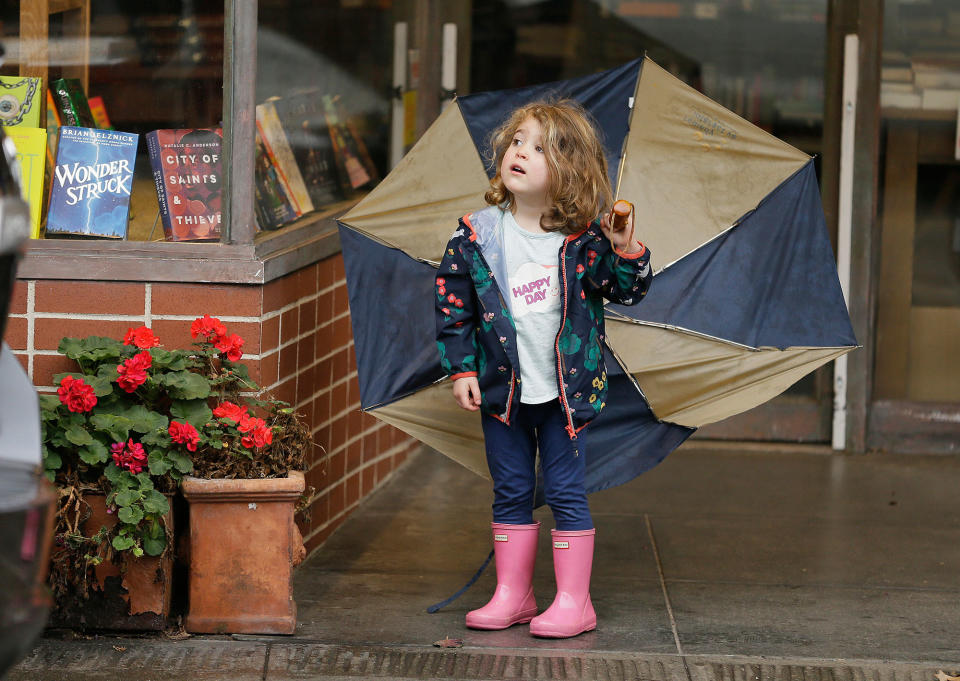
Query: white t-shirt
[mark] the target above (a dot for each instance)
(533, 287)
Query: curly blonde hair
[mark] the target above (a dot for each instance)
(579, 185)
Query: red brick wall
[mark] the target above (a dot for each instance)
(298, 346)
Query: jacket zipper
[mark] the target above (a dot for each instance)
(563, 319)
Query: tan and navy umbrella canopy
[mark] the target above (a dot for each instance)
(744, 302)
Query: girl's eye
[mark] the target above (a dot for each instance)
(540, 149)
(517, 141)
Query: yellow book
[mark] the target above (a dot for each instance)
(31, 144)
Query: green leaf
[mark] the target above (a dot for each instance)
(158, 464)
(102, 386)
(144, 480)
(145, 420)
(127, 497)
(181, 463)
(194, 412)
(158, 437)
(93, 348)
(186, 385)
(154, 547)
(51, 460)
(48, 403)
(78, 436)
(117, 427)
(176, 360)
(122, 543)
(113, 474)
(154, 502)
(130, 514)
(94, 453)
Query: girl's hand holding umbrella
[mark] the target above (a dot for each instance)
(617, 225)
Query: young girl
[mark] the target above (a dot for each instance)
(520, 330)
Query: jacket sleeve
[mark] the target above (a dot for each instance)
(455, 314)
(622, 278)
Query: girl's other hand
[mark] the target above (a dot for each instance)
(466, 391)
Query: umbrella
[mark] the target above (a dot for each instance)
(745, 298)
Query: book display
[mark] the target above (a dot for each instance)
(31, 144)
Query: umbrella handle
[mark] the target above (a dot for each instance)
(621, 211)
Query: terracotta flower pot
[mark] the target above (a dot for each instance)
(132, 596)
(244, 545)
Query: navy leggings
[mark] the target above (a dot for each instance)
(511, 456)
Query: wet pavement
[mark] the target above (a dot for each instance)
(728, 562)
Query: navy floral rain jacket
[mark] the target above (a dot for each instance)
(476, 335)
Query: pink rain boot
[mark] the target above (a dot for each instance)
(515, 549)
(571, 612)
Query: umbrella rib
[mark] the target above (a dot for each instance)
(620, 317)
(400, 397)
(374, 237)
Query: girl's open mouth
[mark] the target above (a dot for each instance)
(517, 169)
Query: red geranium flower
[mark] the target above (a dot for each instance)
(260, 437)
(142, 337)
(77, 395)
(133, 372)
(230, 346)
(229, 410)
(207, 327)
(129, 456)
(185, 434)
(248, 423)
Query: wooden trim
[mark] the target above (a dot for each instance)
(239, 125)
(312, 238)
(915, 427)
(895, 285)
(865, 18)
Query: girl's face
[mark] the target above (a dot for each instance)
(524, 167)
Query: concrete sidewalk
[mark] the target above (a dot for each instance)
(727, 562)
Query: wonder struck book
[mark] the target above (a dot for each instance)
(92, 180)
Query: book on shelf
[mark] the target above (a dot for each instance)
(940, 99)
(72, 103)
(888, 86)
(99, 112)
(354, 165)
(900, 100)
(187, 173)
(93, 176)
(902, 72)
(938, 78)
(271, 205)
(20, 101)
(31, 145)
(305, 125)
(278, 149)
(53, 133)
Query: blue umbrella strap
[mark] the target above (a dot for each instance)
(442, 604)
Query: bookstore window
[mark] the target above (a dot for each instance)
(116, 112)
(918, 302)
(323, 105)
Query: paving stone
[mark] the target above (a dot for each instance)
(110, 659)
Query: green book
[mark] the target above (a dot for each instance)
(72, 103)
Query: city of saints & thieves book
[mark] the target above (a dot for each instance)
(92, 180)
(187, 173)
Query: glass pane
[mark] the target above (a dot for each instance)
(918, 311)
(323, 105)
(763, 59)
(129, 68)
